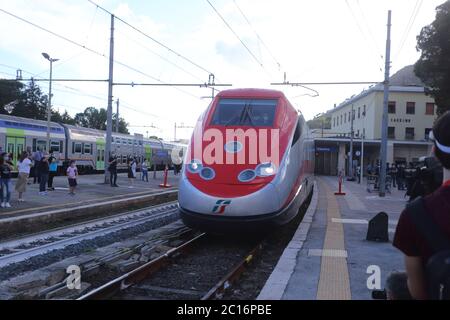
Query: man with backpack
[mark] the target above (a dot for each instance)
(423, 230)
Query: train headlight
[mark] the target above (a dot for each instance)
(207, 174)
(266, 170)
(195, 166)
(247, 175)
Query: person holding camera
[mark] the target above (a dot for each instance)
(423, 230)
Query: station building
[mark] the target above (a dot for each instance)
(411, 114)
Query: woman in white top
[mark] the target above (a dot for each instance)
(24, 165)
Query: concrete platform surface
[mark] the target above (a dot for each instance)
(90, 189)
(329, 258)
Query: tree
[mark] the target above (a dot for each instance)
(9, 91)
(433, 67)
(320, 121)
(96, 119)
(123, 125)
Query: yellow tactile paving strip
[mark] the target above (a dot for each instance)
(334, 282)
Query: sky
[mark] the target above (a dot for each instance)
(309, 41)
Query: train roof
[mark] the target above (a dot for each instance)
(78, 129)
(252, 93)
(6, 117)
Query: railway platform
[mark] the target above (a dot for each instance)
(329, 257)
(92, 197)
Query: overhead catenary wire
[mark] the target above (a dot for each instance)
(235, 34)
(93, 51)
(153, 39)
(162, 57)
(412, 20)
(257, 35)
(362, 31)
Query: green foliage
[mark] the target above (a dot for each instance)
(320, 121)
(96, 119)
(433, 67)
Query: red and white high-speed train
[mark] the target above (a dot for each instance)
(249, 165)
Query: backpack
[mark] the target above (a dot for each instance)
(438, 266)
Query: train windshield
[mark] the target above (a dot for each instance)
(245, 112)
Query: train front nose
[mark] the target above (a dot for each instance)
(260, 202)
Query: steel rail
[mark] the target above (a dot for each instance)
(59, 244)
(233, 275)
(143, 272)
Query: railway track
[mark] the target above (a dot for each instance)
(18, 250)
(203, 268)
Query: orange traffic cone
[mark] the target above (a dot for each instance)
(165, 185)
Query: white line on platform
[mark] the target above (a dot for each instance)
(334, 253)
(359, 221)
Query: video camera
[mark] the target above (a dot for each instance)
(427, 178)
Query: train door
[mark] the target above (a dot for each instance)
(15, 146)
(100, 155)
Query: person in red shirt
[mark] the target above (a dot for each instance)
(407, 238)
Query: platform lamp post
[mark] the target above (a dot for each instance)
(49, 107)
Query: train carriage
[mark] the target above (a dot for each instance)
(84, 145)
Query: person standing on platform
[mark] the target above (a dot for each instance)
(423, 230)
(23, 167)
(401, 177)
(112, 167)
(6, 167)
(43, 173)
(53, 168)
(144, 169)
(37, 157)
(393, 174)
(131, 172)
(72, 174)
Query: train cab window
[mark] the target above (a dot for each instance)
(245, 112)
(298, 133)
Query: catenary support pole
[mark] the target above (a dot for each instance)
(384, 129)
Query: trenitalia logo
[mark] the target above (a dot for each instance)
(253, 146)
(221, 205)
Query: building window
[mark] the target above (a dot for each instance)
(364, 111)
(410, 108)
(359, 112)
(341, 119)
(429, 109)
(427, 134)
(391, 107)
(345, 118)
(334, 122)
(409, 133)
(391, 132)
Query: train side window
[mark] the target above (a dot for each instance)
(55, 146)
(76, 147)
(42, 145)
(298, 133)
(87, 148)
